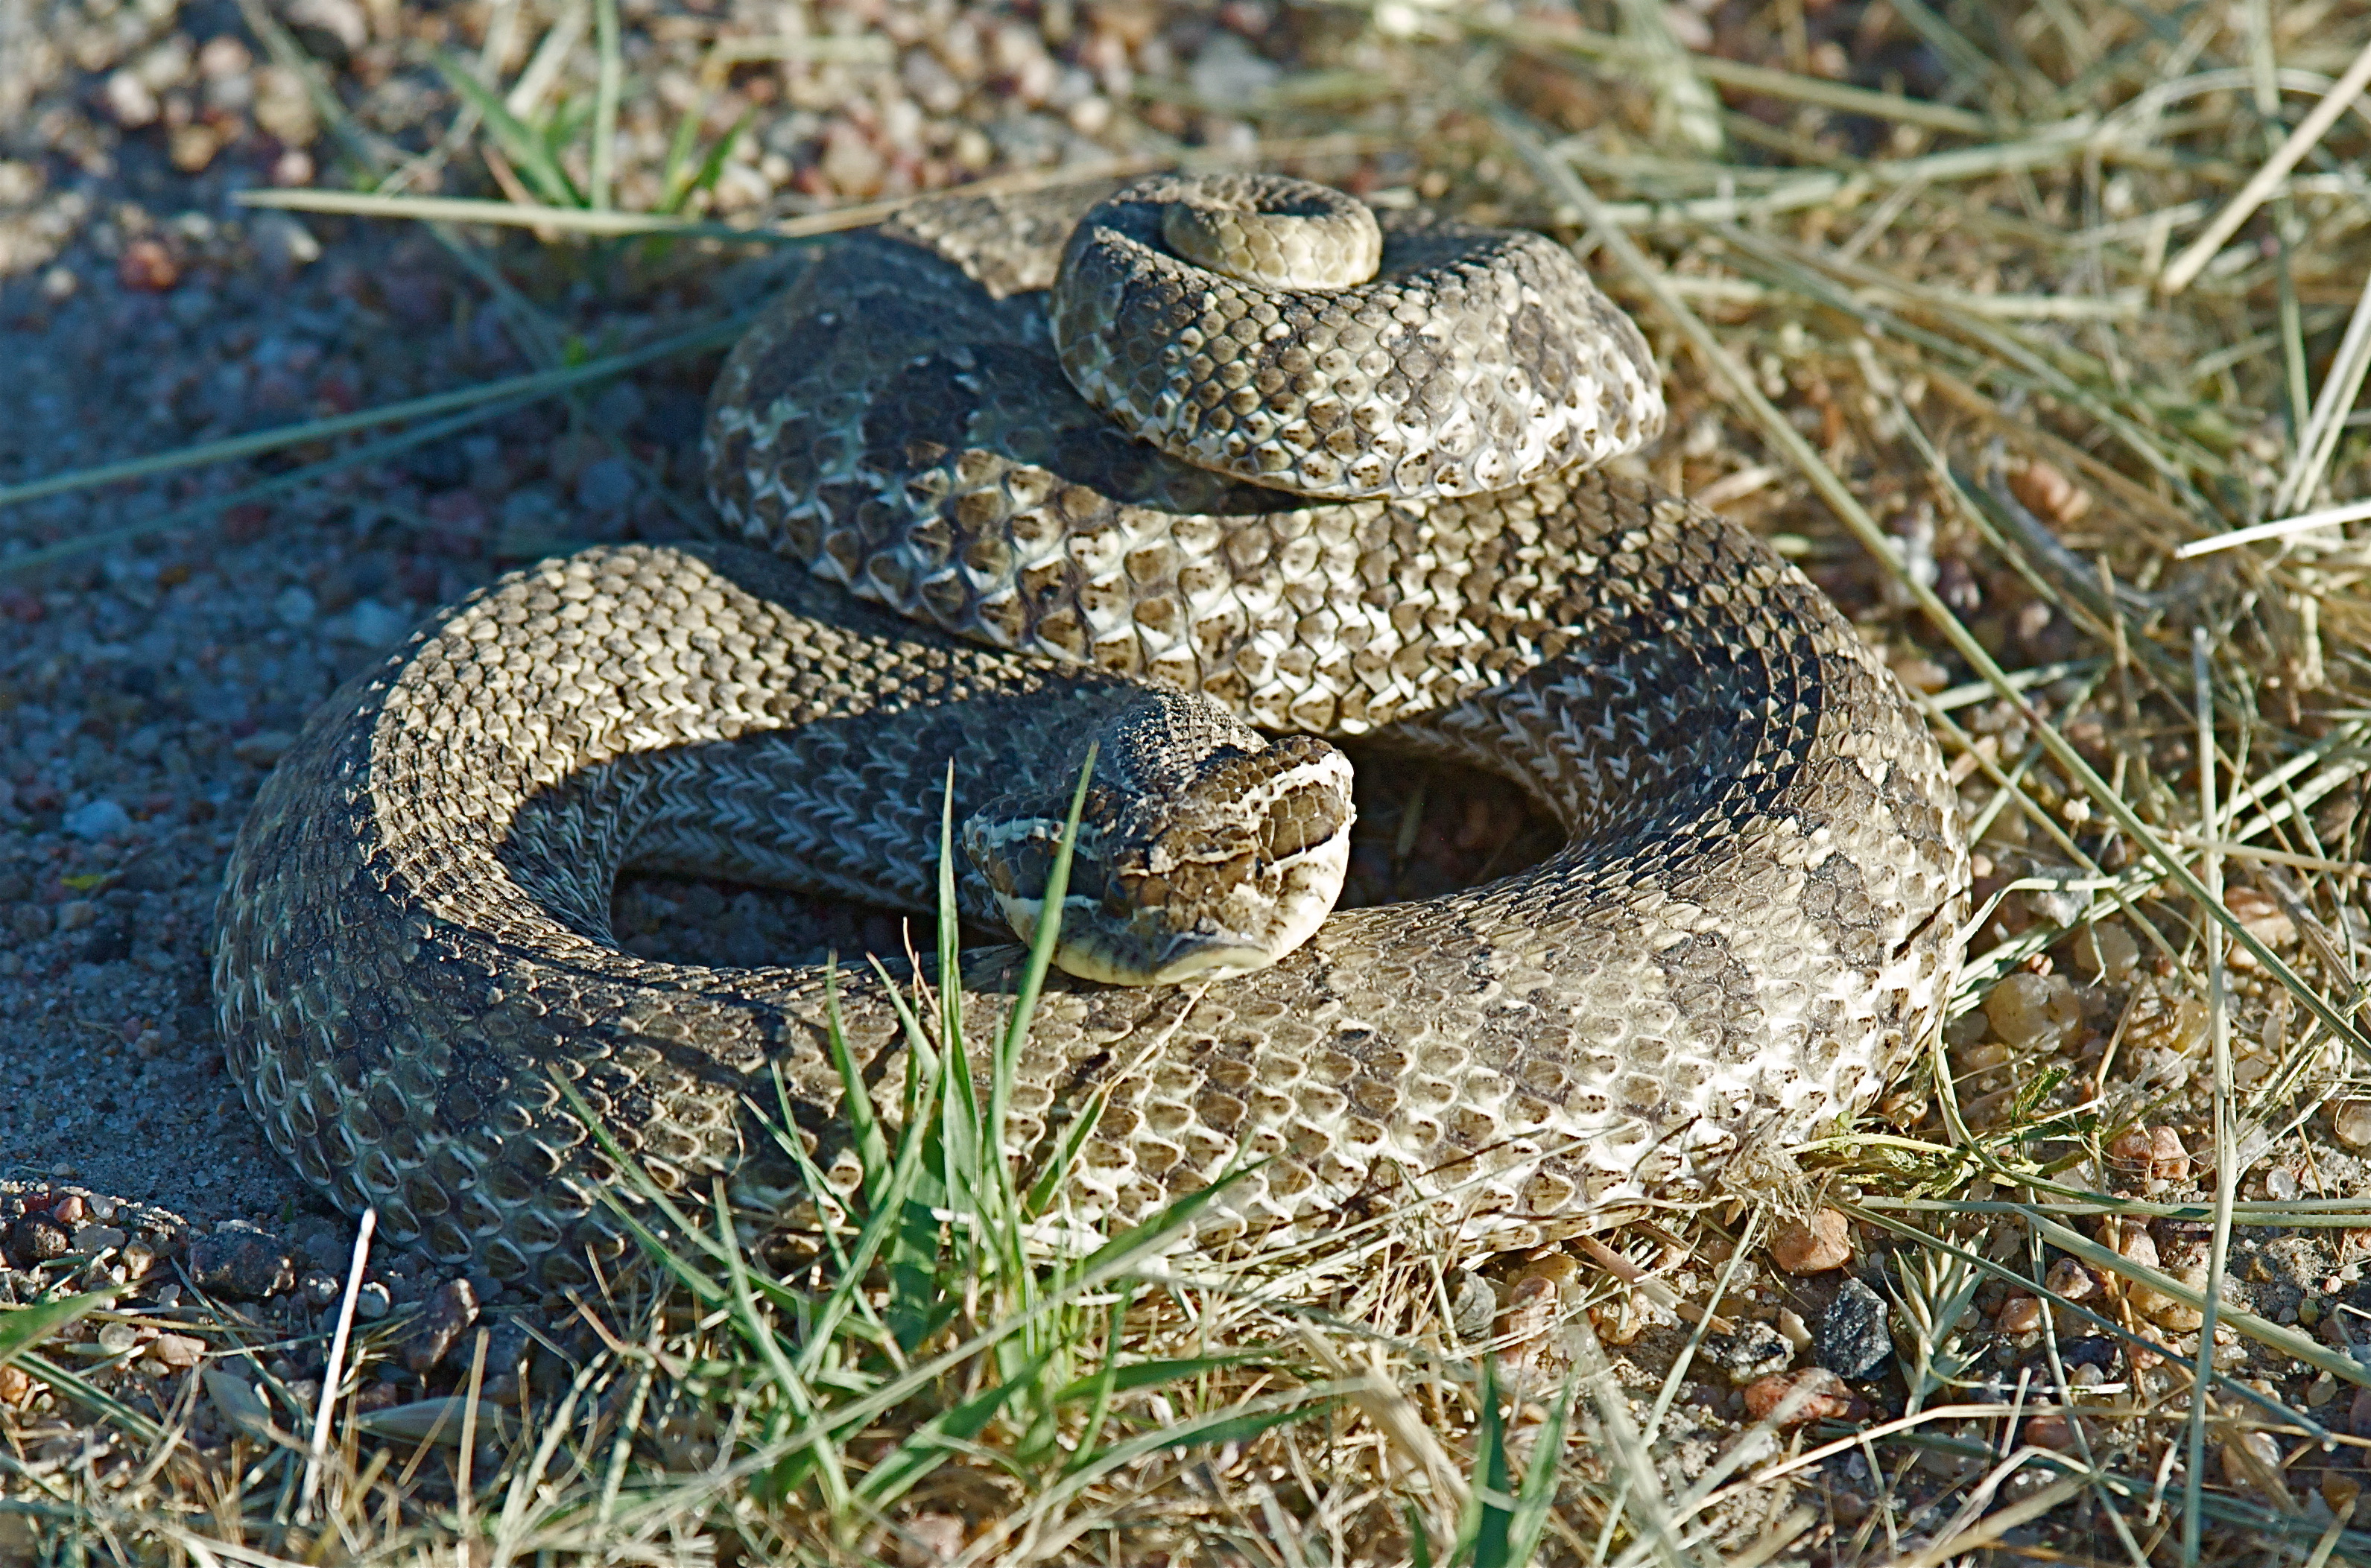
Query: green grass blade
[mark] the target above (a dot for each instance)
(890, 1217)
(536, 384)
(926, 1449)
(1153, 1374)
(610, 84)
(795, 1391)
(856, 1103)
(631, 1174)
(915, 1308)
(90, 1396)
(518, 140)
(673, 187)
(1121, 1252)
(22, 1328)
(1105, 1381)
(1049, 919)
(711, 168)
(1529, 1521)
(962, 1135)
(198, 513)
(1482, 1534)
(1048, 1184)
(1024, 1008)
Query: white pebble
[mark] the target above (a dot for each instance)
(2351, 1119)
(2030, 1010)
(97, 819)
(294, 607)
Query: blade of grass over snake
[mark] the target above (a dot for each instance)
(759, 1332)
(864, 1127)
(1848, 510)
(967, 1145)
(1047, 936)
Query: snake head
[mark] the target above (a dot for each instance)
(1204, 848)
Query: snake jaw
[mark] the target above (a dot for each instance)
(1216, 875)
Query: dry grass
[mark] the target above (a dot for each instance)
(1920, 328)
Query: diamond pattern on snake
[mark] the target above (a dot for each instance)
(1204, 475)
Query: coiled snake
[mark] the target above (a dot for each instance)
(1753, 921)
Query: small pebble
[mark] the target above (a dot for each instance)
(240, 1266)
(2350, 1120)
(1473, 1304)
(95, 1239)
(263, 748)
(294, 607)
(1821, 1395)
(2129, 1238)
(2264, 919)
(236, 1401)
(2052, 1429)
(2107, 952)
(371, 1302)
(176, 1353)
(373, 625)
(2071, 1281)
(1755, 1350)
(1813, 1246)
(604, 485)
(1852, 1340)
(38, 1238)
(101, 818)
(2032, 1011)
(2252, 1459)
(2020, 1314)
(146, 267)
(450, 1312)
(2050, 494)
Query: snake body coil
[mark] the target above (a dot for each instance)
(1752, 921)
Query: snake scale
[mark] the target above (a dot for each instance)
(1754, 918)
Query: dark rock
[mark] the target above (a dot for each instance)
(1754, 1351)
(451, 1310)
(37, 1239)
(1851, 1339)
(108, 942)
(240, 1267)
(2091, 1350)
